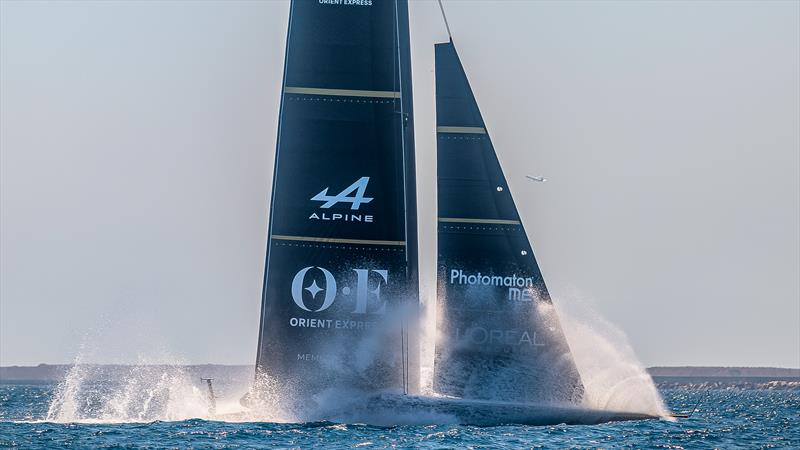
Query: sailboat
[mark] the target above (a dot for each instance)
(500, 335)
(341, 262)
(341, 295)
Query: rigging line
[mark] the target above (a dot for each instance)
(408, 363)
(408, 366)
(700, 399)
(403, 360)
(395, 60)
(397, 64)
(399, 73)
(407, 355)
(446, 25)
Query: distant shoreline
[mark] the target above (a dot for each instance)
(722, 372)
(57, 372)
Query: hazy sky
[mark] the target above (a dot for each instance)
(137, 141)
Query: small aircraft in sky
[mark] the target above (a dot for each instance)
(537, 179)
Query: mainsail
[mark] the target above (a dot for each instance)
(341, 264)
(499, 336)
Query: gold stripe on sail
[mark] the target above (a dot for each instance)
(471, 220)
(341, 92)
(464, 130)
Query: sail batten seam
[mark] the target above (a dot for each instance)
(465, 130)
(341, 92)
(474, 220)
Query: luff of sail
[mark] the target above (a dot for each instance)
(342, 244)
(499, 336)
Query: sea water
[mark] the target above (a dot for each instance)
(728, 415)
(152, 405)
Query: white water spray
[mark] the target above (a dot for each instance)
(136, 394)
(148, 391)
(613, 377)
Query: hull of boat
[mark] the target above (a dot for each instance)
(486, 413)
(390, 409)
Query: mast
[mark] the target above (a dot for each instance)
(499, 335)
(341, 262)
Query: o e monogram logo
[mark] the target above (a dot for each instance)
(313, 289)
(364, 294)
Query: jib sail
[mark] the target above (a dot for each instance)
(499, 336)
(342, 245)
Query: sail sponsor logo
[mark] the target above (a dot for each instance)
(459, 277)
(521, 295)
(485, 336)
(358, 189)
(335, 217)
(311, 357)
(520, 289)
(346, 2)
(366, 294)
(328, 324)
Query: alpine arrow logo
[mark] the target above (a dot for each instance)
(360, 187)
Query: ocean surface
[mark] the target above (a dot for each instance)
(745, 415)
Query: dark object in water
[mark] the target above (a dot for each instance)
(212, 399)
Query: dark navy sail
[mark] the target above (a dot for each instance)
(499, 336)
(342, 245)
